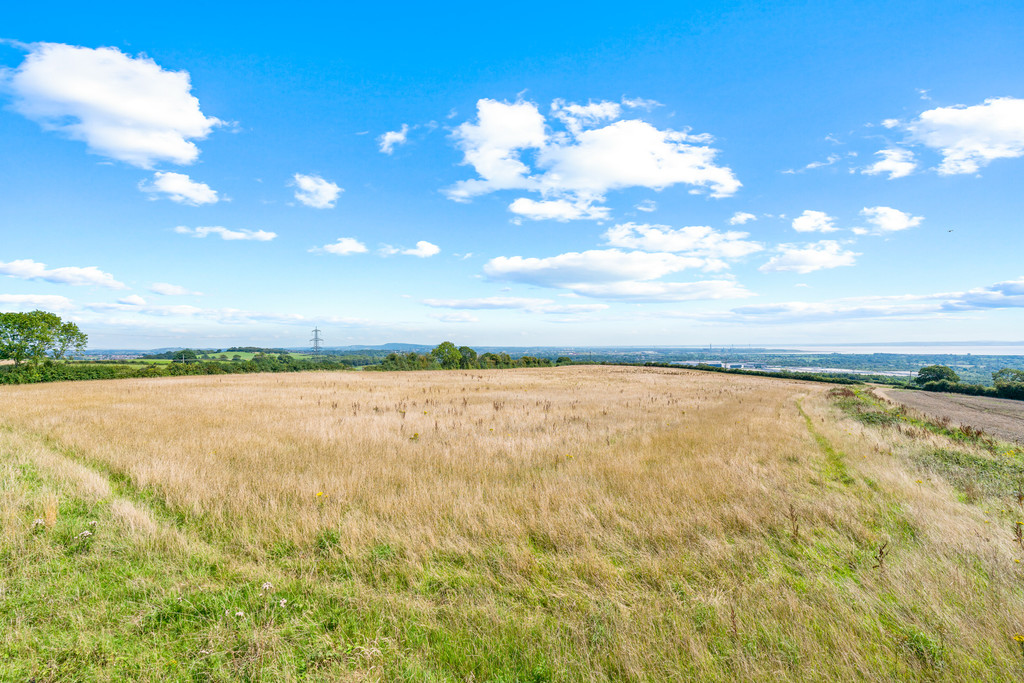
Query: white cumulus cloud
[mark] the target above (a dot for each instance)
(887, 219)
(423, 249)
(225, 234)
(27, 269)
(807, 258)
(314, 191)
(393, 138)
(897, 162)
(180, 188)
(492, 147)
(557, 209)
(971, 137)
(814, 221)
(741, 218)
(573, 169)
(343, 247)
(122, 107)
(632, 153)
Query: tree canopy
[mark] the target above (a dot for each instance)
(1008, 376)
(936, 373)
(447, 355)
(35, 335)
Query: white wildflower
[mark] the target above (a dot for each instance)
(268, 586)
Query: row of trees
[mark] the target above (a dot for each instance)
(447, 356)
(38, 335)
(1009, 382)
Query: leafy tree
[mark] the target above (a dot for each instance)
(1009, 383)
(563, 360)
(469, 359)
(67, 338)
(185, 356)
(936, 373)
(31, 336)
(446, 355)
(1008, 376)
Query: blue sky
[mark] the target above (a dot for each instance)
(693, 173)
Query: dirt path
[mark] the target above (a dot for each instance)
(998, 417)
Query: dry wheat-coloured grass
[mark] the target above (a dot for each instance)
(652, 514)
(611, 459)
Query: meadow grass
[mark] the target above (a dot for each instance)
(576, 523)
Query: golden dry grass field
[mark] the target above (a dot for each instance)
(576, 523)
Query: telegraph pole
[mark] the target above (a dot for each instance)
(316, 340)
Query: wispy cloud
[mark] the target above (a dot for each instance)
(25, 302)
(1001, 295)
(166, 289)
(617, 274)
(458, 317)
(27, 269)
(423, 249)
(697, 240)
(532, 305)
(225, 234)
(832, 158)
(807, 258)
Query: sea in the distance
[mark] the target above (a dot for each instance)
(923, 348)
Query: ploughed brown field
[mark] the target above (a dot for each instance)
(1001, 417)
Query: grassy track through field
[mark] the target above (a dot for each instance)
(581, 523)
